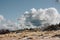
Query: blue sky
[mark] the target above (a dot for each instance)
(12, 9)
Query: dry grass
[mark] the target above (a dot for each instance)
(30, 35)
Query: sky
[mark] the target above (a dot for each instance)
(13, 9)
(20, 14)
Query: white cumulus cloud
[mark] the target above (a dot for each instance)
(7, 24)
(1, 17)
(31, 19)
(40, 17)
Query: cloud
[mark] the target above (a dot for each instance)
(10, 25)
(1, 17)
(57, 0)
(7, 24)
(39, 18)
